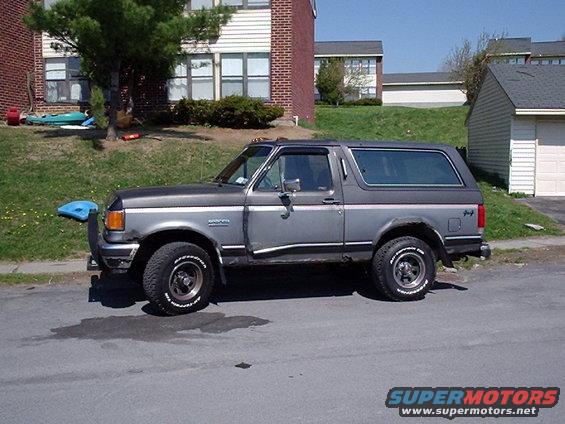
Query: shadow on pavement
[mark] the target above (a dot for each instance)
(260, 283)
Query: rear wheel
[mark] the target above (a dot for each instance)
(179, 278)
(404, 268)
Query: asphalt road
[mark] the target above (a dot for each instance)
(321, 350)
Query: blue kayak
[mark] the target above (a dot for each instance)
(71, 118)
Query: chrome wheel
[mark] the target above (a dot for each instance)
(186, 281)
(409, 270)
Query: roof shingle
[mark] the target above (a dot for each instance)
(348, 48)
(532, 86)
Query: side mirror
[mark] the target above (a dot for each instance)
(291, 186)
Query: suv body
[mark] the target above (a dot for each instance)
(298, 201)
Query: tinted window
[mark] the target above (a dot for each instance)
(242, 168)
(313, 171)
(405, 168)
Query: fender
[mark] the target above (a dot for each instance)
(430, 230)
(181, 226)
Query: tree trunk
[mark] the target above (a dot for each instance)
(112, 133)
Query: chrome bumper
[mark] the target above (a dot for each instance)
(114, 256)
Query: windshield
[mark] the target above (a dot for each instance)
(242, 168)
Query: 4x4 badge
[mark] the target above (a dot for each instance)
(469, 213)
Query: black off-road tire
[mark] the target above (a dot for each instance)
(393, 253)
(160, 271)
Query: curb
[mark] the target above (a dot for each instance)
(54, 267)
(79, 265)
(531, 242)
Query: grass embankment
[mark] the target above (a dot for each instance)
(505, 217)
(443, 125)
(40, 169)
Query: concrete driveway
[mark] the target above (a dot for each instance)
(286, 348)
(550, 206)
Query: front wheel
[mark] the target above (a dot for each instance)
(404, 269)
(179, 278)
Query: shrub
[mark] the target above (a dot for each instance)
(244, 112)
(193, 112)
(365, 102)
(98, 107)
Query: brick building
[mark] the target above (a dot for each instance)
(363, 59)
(265, 51)
(16, 61)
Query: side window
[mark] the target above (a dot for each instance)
(382, 167)
(313, 171)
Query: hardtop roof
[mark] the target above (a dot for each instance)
(394, 144)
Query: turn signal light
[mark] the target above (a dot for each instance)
(115, 220)
(482, 216)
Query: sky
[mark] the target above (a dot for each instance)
(418, 35)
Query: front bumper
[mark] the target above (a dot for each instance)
(113, 256)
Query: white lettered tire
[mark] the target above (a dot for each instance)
(179, 278)
(404, 269)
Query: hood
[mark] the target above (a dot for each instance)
(182, 196)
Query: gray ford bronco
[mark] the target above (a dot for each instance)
(399, 207)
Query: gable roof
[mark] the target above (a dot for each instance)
(348, 48)
(532, 86)
(548, 48)
(511, 45)
(524, 45)
(420, 78)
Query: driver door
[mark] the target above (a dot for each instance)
(295, 210)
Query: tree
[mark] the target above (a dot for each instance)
(468, 64)
(330, 81)
(356, 78)
(135, 36)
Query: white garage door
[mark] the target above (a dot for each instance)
(550, 159)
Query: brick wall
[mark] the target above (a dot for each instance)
(380, 77)
(16, 56)
(302, 60)
(292, 57)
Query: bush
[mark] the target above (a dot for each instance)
(365, 102)
(244, 112)
(193, 112)
(98, 107)
(230, 112)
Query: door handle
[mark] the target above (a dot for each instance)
(330, 201)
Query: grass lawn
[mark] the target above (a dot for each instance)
(40, 169)
(444, 125)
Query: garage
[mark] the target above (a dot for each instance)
(516, 128)
(550, 159)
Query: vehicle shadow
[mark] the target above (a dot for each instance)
(262, 283)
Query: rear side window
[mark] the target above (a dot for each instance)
(388, 167)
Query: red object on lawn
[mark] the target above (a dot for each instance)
(131, 137)
(13, 116)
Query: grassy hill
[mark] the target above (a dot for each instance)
(444, 125)
(41, 168)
